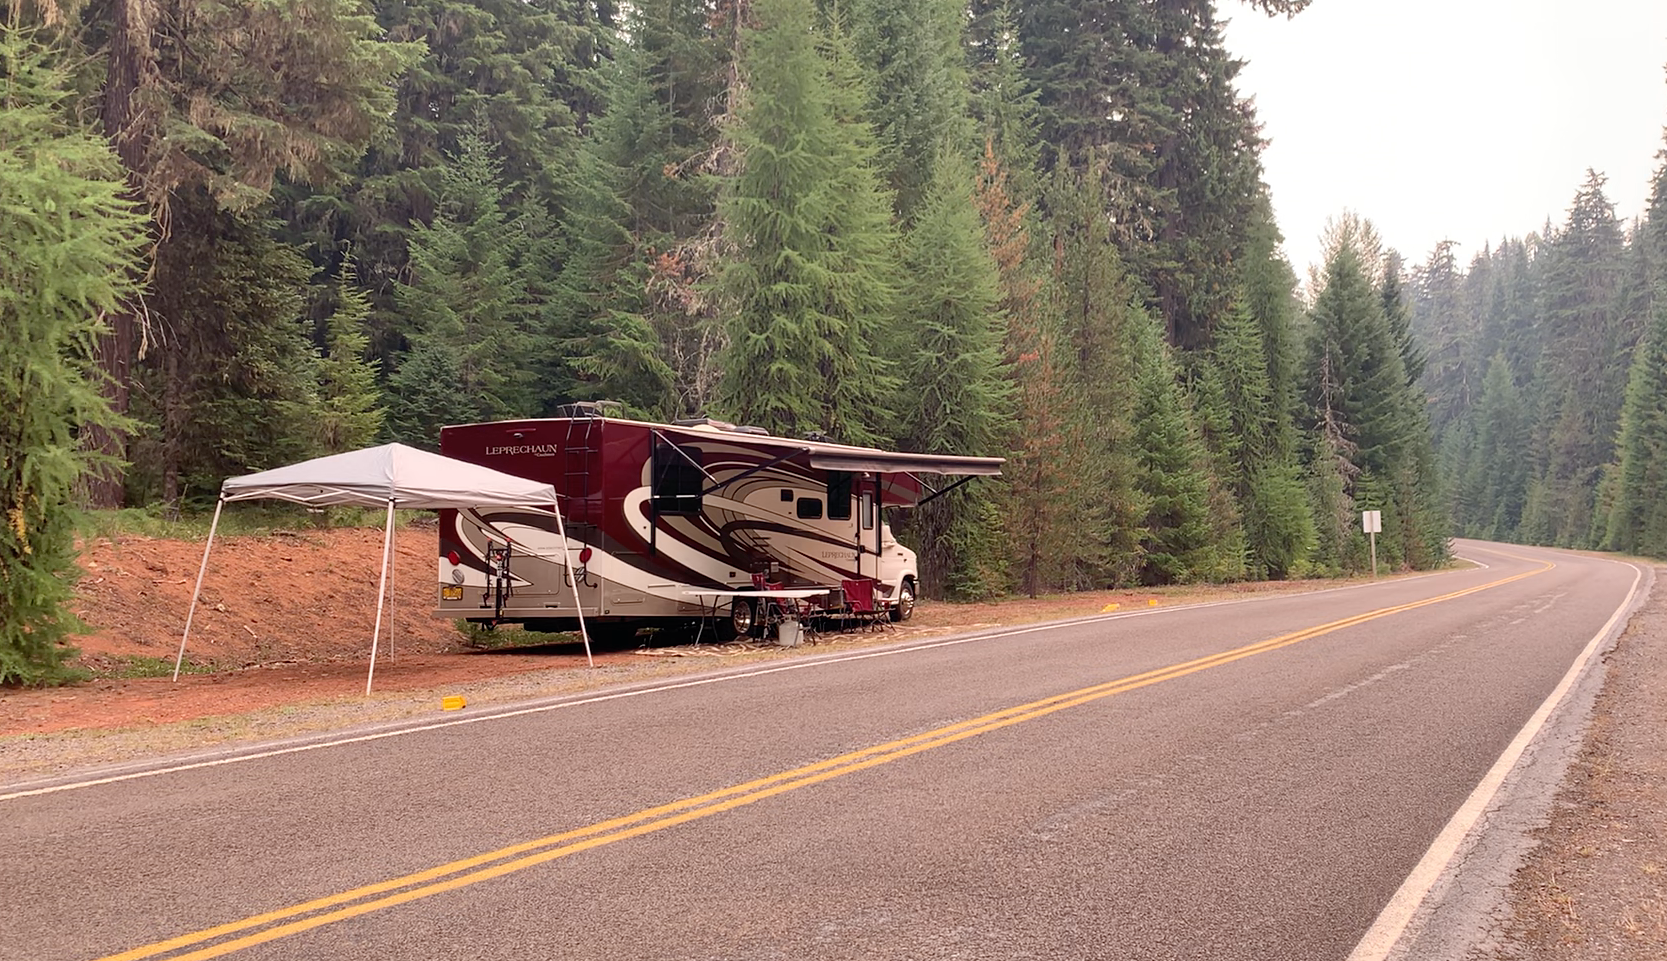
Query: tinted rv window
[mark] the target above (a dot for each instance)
(810, 508)
(677, 483)
(868, 512)
(839, 495)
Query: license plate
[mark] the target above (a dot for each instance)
(451, 593)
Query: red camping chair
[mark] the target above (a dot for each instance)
(774, 611)
(862, 606)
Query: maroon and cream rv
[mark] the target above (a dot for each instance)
(656, 511)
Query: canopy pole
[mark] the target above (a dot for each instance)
(381, 593)
(196, 591)
(573, 581)
(393, 568)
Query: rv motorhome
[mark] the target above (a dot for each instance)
(656, 513)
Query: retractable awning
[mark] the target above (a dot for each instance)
(888, 462)
(847, 457)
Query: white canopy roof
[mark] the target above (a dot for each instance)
(393, 472)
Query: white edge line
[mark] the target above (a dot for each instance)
(699, 682)
(1393, 920)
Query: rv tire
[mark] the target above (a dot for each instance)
(742, 620)
(905, 605)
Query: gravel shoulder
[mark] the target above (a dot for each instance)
(1595, 884)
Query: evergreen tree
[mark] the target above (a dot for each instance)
(71, 245)
(466, 301)
(808, 283)
(954, 393)
(1090, 295)
(628, 321)
(1582, 369)
(1177, 544)
(346, 415)
(1141, 95)
(228, 390)
(1637, 522)
(218, 100)
(918, 93)
(1249, 432)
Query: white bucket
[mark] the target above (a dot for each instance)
(790, 633)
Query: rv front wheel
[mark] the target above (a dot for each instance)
(905, 605)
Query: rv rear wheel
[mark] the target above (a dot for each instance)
(742, 620)
(905, 605)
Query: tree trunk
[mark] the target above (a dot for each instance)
(129, 61)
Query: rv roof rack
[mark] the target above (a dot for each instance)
(588, 408)
(703, 422)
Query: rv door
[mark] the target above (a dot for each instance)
(868, 562)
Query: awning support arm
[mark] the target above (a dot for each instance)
(659, 437)
(753, 470)
(937, 494)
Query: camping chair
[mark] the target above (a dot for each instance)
(773, 611)
(861, 605)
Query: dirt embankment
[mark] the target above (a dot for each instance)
(286, 619)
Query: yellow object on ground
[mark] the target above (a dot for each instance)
(1109, 607)
(453, 703)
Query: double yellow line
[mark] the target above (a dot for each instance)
(295, 919)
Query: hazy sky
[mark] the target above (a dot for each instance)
(1467, 120)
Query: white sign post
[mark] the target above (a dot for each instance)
(1371, 522)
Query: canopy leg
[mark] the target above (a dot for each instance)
(393, 568)
(573, 581)
(196, 591)
(381, 593)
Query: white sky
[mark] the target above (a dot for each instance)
(1467, 120)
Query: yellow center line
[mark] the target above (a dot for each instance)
(518, 857)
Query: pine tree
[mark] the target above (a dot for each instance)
(465, 300)
(808, 285)
(918, 102)
(1177, 543)
(954, 392)
(228, 391)
(72, 243)
(1582, 367)
(1091, 299)
(220, 99)
(1637, 522)
(1249, 432)
(628, 321)
(347, 415)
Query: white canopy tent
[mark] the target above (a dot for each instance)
(392, 475)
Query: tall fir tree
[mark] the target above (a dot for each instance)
(218, 100)
(1581, 377)
(347, 412)
(467, 306)
(954, 395)
(807, 286)
(72, 243)
(1177, 543)
(918, 98)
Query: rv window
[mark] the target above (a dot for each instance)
(787, 495)
(810, 508)
(867, 511)
(677, 483)
(839, 495)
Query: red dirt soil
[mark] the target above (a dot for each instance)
(287, 618)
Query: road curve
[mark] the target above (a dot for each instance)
(1250, 780)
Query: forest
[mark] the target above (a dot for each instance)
(239, 233)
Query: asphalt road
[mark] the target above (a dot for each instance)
(1251, 780)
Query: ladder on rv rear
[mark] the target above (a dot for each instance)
(581, 469)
